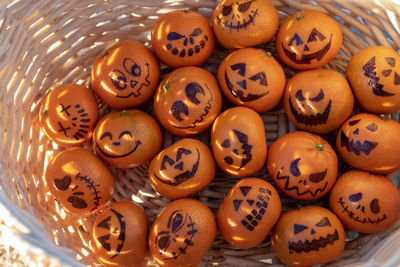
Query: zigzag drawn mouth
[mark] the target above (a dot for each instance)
(356, 147)
(357, 219)
(296, 188)
(239, 26)
(312, 120)
(315, 244)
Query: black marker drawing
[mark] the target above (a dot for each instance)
(246, 149)
(240, 20)
(316, 119)
(78, 121)
(178, 164)
(192, 44)
(356, 147)
(296, 40)
(138, 78)
(118, 232)
(373, 205)
(117, 142)
(238, 92)
(370, 72)
(179, 225)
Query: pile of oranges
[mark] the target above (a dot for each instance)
(189, 101)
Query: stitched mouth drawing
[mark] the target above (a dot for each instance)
(237, 20)
(374, 208)
(179, 165)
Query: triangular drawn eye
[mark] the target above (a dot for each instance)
(172, 36)
(319, 97)
(298, 228)
(324, 222)
(182, 151)
(165, 160)
(354, 122)
(244, 6)
(314, 34)
(296, 38)
(299, 95)
(241, 67)
(226, 10)
(260, 77)
(196, 32)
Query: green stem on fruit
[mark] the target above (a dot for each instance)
(320, 147)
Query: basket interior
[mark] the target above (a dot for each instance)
(47, 43)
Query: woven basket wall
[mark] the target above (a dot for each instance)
(45, 43)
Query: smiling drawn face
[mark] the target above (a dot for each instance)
(365, 202)
(125, 75)
(120, 138)
(237, 15)
(308, 236)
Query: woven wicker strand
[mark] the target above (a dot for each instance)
(46, 43)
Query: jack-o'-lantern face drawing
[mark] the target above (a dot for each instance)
(237, 15)
(365, 202)
(123, 138)
(116, 225)
(308, 236)
(182, 169)
(69, 114)
(178, 236)
(302, 47)
(303, 165)
(238, 88)
(79, 181)
(119, 234)
(318, 100)
(301, 106)
(187, 101)
(370, 142)
(178, 163)
(238, 150)
(253, 78)
(248, 212)
(178, 43)
(308, 40)
(125, 75)
(374, 73)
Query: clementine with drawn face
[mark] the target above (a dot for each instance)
(127, 139)
(68, 115)
(125, 75)
(308, 40)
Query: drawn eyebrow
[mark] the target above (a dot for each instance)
(105, 134)
(124, 133)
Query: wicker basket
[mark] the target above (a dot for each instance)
(45, 43)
